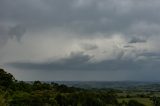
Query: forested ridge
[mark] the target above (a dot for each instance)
(37, 93)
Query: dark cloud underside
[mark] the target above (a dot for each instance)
(81, 62)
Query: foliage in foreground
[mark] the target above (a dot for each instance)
(19, 93)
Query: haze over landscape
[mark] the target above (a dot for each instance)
(80, 40)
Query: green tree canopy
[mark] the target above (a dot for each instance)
(6, 79)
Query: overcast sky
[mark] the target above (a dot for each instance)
(110, 40)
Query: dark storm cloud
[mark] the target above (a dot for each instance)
(8, 32)
(17, 31)
(137, 40)
(76, 61)
(128, 46)
(81, 62)
(104, 16)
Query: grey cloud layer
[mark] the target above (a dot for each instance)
(81, 62)
(129, 17)
(133, 26)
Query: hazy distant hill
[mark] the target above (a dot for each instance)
(113, 84)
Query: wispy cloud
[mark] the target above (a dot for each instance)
(8, 32)
(137, 40)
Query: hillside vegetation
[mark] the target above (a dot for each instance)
(37, 93)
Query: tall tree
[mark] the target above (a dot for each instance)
(6, 79)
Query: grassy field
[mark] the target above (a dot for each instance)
(145, 101)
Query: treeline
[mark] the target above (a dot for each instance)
(20, 93)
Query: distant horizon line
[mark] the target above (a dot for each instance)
(91, 81)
